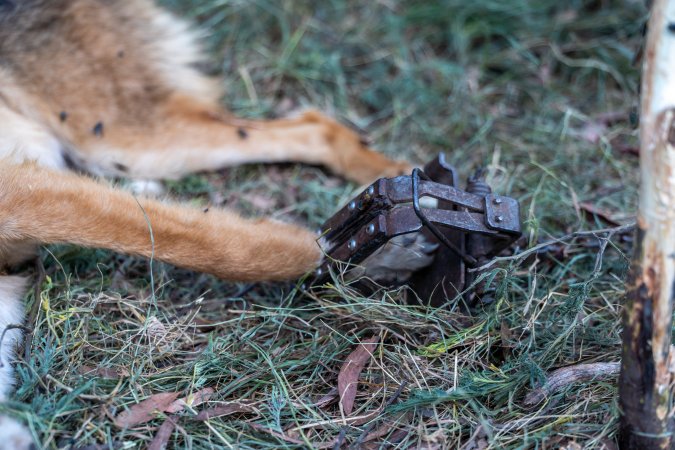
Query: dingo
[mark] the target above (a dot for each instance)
(110, 88)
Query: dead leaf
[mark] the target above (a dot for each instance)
(165, 402)
(326, 399)
(192, 400)
(223, 410)
(163, 435)
(506, 334)
(103, 372)
(602, 214)
(348, 377)
(146, 410)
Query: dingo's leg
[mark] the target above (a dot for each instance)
(187, 139)
(43, 206)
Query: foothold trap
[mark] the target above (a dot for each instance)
(471, 226)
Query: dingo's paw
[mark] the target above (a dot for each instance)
(396, 261)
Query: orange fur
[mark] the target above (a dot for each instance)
(111, 88)
(40, 206)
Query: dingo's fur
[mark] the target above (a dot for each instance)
(110, 88)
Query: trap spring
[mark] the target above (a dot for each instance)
(471, 226)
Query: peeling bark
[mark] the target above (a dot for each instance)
(644, 383)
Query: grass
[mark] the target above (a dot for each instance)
(516, 86)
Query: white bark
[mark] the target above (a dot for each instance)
(644, 389)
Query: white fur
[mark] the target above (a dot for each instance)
(12, 289)
(399, 258)
(23, 140)
(147, 188)
(396, 260)
(178, 49)
(13, 435)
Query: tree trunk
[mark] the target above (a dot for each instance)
(645, 395)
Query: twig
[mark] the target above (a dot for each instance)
(561, 240)
(567, 375)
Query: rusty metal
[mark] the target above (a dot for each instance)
(471, 226)
(477, 244)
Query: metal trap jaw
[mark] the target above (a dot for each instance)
(471, 226)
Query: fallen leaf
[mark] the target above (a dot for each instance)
(348, 377)
(602, 214)
(223, 410)
(192, 400)
(163, 435)
(506, 334)
(326, 399)
(165, 402)
(146, 410)
(103, 372)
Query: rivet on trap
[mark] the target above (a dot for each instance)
(497, 201)
(352, 244)
(319, 271)
(371, 190)
(499, 218)
(371, 229)
(352, 205)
